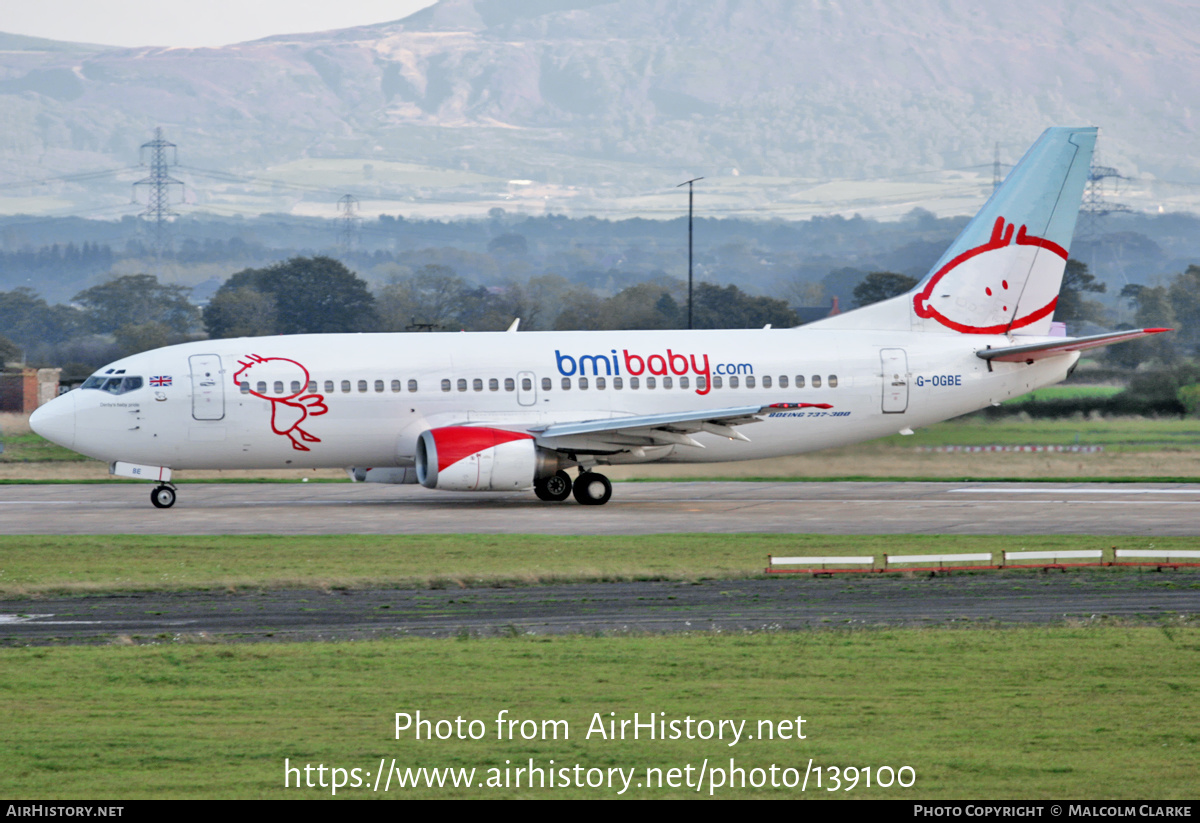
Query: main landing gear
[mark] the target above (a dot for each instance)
(590, 488)
(555, 488)
(163, 497)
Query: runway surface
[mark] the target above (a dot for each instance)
(635, 508)
(1005, 598)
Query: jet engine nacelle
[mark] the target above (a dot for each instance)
(471, 458)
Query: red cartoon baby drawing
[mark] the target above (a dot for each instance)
(998, 286)
(289, 407)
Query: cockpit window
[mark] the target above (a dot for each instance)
(112, 385)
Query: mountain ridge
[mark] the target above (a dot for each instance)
(630, 94)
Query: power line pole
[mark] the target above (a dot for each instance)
(996, 169)
(158, 202)
(689, 185)
(1094, 204)
(348, 209)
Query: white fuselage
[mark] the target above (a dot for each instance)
(341, 400)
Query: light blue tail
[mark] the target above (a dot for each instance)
(1003, 272)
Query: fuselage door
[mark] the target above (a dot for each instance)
(526, 388)
(208, 387)
(895, 380)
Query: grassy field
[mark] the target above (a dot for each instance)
(1098, 712)
(1072, 391)
(37, 565)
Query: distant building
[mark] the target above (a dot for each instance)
(808, 314)
(23, 390)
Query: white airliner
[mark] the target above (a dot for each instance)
(502, 411)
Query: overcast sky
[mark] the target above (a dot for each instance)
(176, 23)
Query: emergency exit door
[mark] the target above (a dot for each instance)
(526, 388)
(895, 380)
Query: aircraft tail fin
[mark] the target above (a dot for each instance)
(1003, 272)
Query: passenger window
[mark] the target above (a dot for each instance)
(546, 384)
(651, 382)
(526, 384)
(600, 384)
(510, 384)
(583, 384)
(362, 386)
(261, 388)
(244, 386)
(462, 384)
(329, 387)
(633, 382)
(816, 381)
(412, 385)
(667, 383)
(345, 387)
(477, 384)
(717, 381)
(618, 383)
(445, 385)
(278, 387)
(493, 384)
(733, 381)
(749, 381)
(799, 381)
(566, 383)
(700, 382)
(295, 387)
(766, 381)
(833, 381)
(683, 383)
(395, 385)
(783, 381)
(378, 386)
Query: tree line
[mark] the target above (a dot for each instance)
(313, 295)
(320, 295)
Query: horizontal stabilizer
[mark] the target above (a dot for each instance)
(1052, 348)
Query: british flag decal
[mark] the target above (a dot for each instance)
(161, 380)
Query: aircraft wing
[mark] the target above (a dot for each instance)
(669, 429)
(1052, 348)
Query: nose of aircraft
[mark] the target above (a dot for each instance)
(55, 420)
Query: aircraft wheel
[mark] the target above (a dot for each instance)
(555, 488)
(558, 486)
(163, 497)
(592, 489)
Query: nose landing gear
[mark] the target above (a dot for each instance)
(163, 497)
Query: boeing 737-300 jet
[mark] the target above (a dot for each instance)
(503, 411)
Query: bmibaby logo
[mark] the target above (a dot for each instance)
(670, 363)
(288, 410)
(985, 301)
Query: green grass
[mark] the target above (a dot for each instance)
(1090, 712)
(1115, 434)
(31, 448)
(1065, 392)
(34, 565)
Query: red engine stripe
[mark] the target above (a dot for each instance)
(457, 442)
